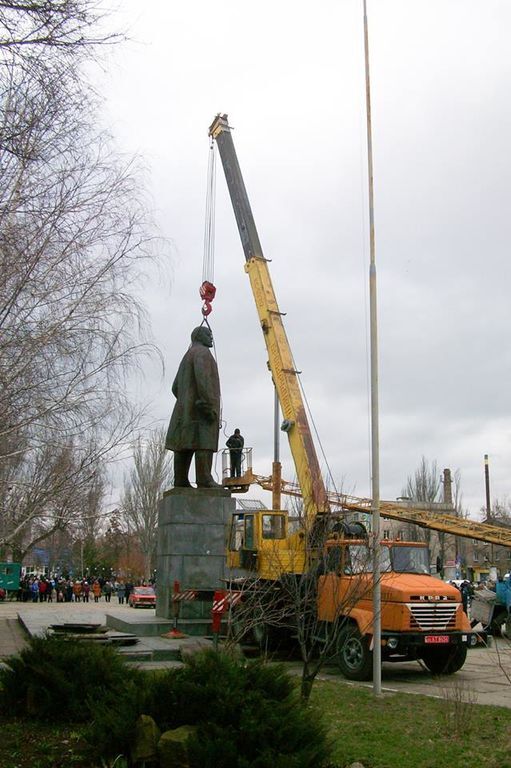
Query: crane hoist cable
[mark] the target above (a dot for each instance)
(207, 290)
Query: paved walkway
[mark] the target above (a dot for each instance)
(12, 635)
(18, 620)
(484, 679)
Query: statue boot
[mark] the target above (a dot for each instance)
(182, 461)
(203, 464)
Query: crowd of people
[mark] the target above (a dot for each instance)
(42, 589)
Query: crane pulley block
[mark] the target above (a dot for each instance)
(207, 293)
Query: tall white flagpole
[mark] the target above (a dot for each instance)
(375, 437)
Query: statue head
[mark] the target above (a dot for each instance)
(202, 335)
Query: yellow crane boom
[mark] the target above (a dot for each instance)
(437, 517)
(280, 358)
(310, 487)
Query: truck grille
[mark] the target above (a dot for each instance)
(433, 616)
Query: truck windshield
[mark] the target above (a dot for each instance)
(360, 559)
(410, 559)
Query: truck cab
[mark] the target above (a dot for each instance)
(422, 617)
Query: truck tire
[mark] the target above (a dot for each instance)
(508, 627)
(445, 661)
(354, 658)
(268, 638)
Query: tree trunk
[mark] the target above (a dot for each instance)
(306, 684)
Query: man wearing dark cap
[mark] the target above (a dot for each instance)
(235, 445)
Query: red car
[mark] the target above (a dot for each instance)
(142, 597)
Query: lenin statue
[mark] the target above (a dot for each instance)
(195, 420)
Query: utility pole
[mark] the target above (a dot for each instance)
(487, 486)
(488, 502)
(375, 439)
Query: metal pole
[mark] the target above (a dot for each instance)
(488, 501)
(487, 486)
(375, 441)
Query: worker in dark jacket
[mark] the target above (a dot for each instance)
(195, 420)
(235, 445)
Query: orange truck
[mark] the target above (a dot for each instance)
(422, 617)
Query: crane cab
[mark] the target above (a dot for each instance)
(260, 544)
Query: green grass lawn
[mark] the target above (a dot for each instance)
(395, 731)
(28, 744)
(407, 731)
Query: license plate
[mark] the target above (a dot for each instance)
(436, 639)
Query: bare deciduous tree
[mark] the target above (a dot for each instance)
(73, 244)
(151, 474)
(423, 486)
(276, 611)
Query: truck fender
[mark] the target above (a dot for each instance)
(363, 619)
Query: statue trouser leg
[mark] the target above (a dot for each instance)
(203, 464)
(182, 461)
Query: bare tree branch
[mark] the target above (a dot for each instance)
(151, 474)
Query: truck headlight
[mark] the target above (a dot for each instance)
(392, 643)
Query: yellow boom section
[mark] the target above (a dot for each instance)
(416, 513)
(280, 358)
(285, 378)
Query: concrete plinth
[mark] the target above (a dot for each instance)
(192, 536)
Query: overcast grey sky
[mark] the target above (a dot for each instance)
(291, 77)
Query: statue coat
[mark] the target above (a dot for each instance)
(195, 420)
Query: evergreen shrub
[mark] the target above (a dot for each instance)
(64, 681)
(248, 714)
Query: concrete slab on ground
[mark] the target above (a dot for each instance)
(12, 637)
(143, 623)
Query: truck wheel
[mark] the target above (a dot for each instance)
(354, 658)
(507, 630)
(445, 661)
(270, 639)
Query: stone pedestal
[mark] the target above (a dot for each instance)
(193, 527)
